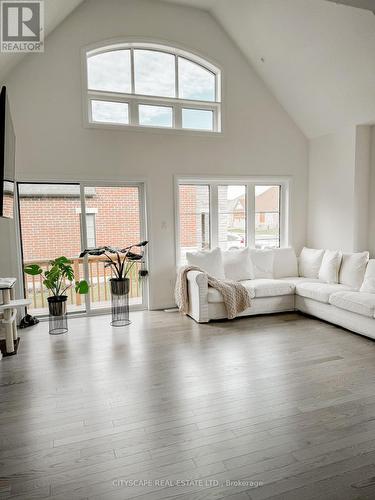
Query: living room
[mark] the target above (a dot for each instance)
(199, 175)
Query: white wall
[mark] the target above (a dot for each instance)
(259, 137)
(4, 246)
(331, 185)
(8, 258)
(339, 180)
(362, 188)
(371, 219)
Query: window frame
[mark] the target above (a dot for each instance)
(285, 184)
(90, 216)
(134, 100)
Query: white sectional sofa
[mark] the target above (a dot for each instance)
(338, 288)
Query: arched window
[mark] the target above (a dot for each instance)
(149, 85)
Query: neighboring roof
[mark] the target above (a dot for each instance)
(268, 201)
(53, 190)
(237, 204)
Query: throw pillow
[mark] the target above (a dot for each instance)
(210, 261)
(309, 262)
(285, 264)
(368, 284)
(353, 269)
(262, 263)
(237, 264)
(329, 270)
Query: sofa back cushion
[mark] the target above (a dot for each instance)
(329, 270)
(353, 269)
(262, 263)
(210, 261)
(285, 264)
(309, 262)
(237, 264)
(368, 284)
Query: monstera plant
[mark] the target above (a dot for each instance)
(58, 279)
(121, 261)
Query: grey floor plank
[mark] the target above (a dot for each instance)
(283, 400)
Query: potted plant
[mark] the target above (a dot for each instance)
(58, 279)
(121, 261)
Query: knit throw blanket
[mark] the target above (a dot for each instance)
(235, 296)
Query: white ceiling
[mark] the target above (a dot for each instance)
(55, 11)
(200, 4)
(318, 55)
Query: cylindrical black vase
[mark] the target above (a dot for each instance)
(58, 318)
(120, 301)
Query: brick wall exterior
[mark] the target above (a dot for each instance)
(8, 205)
(51, 225)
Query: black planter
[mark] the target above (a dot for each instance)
(57, 305)
(120, 286)
(120, 301)
(58, 320)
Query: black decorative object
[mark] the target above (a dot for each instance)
(58, 318)
(120, 261)
(58, 279)
(28, 321)
(120, 301)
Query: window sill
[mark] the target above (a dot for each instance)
(153, 130)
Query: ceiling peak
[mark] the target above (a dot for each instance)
(359, 4)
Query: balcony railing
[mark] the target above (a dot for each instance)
(99, 291)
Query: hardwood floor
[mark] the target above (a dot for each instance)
(279, 407)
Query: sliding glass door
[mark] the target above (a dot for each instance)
(113, 218)
(50, 228)
(63, 219)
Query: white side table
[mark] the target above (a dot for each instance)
(8, 309)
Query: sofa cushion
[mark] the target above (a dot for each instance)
(353, 269)
(257, 288)
(357, 302)
(210, 261)
(269, 287)
(237, 264)
(296, 280)
(319, 291)
(309, 262)
(262, 262)
(329, 270)
(368, 284)
(214, 296)
(284, 263)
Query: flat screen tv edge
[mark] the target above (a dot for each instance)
(7, 158)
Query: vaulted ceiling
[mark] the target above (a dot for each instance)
(316, 56)
(55, 11)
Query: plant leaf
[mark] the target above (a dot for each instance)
(33, 269)
(112, 249)
(62, 260)
(82, 287)
(134, 256)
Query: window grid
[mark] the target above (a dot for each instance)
(135, 100)
(268, 220)
(250, 214)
